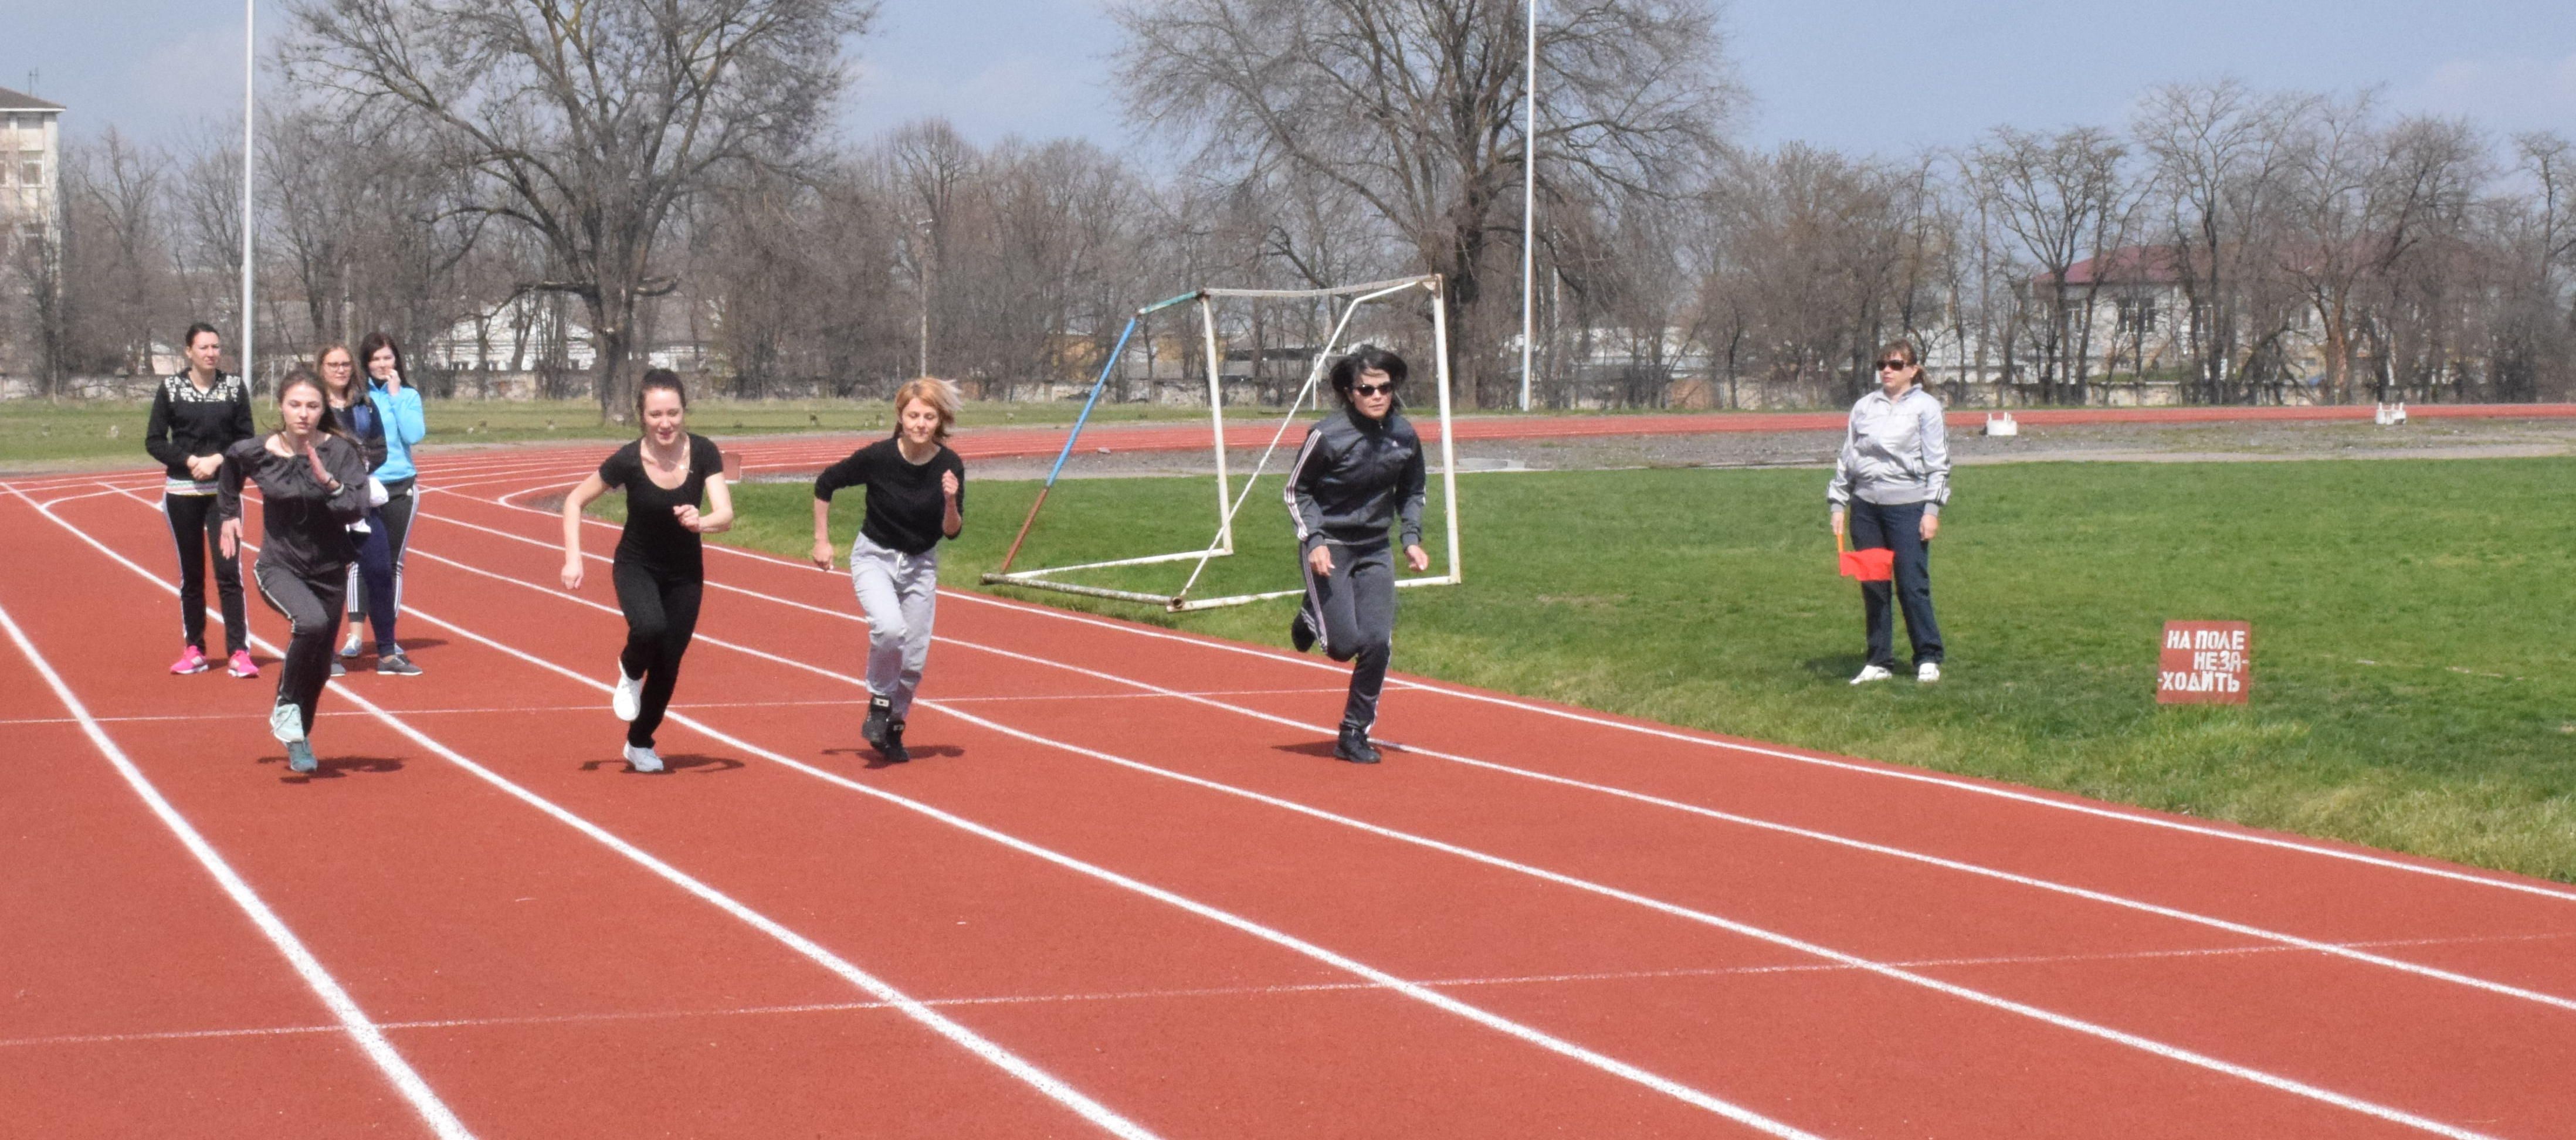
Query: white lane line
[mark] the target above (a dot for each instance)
(512, 710)
(1055, 1089)
(1887, 771)
(1414, 990)
(1882, 969)
(352, 1020)
(2432, 973)
(1284, 989)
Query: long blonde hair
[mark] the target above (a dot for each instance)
(941, 395)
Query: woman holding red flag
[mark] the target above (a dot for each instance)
(1891, 478)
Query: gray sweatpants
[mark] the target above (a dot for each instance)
(1352, 612)
(900, 594)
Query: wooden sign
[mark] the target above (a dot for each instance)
(2205, 663)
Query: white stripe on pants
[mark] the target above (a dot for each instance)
(900, 594)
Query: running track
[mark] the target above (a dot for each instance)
(1124, 891)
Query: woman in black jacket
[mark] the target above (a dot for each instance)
(1358, 473)
(312, 484)
(196, 414)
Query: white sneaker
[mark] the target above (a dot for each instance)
(286, 723)
(627, 700)
(1928, 672)
(643, 759)
(351, 647)
(1869, 673)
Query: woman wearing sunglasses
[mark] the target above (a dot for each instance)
(1358, 473)
(1891, 479)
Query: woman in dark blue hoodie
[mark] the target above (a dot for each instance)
(1358, 473)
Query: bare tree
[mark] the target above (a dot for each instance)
(1412, 107)
(2062, 196)
(590, 123)
(2221, 157)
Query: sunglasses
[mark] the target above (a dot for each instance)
(1372, 389)
(1893, 366)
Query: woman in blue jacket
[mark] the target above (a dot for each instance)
(397, 412)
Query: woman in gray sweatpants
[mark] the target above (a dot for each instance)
(916, 496)
(1357, 473)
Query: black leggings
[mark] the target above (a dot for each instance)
(311, 606)
(196, 527)
(661, 616)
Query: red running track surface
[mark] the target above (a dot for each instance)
(1125, 890)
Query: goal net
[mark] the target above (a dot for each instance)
(1262, 355)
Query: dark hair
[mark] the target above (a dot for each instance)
(662, 379)
(1366, 358)
(196, 330)
(367, 351)
(329, 424)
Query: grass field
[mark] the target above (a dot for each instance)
(36, 433)
(2410, 623)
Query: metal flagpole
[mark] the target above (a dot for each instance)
(250, 127)
(1529, 197)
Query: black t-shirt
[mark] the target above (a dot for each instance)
(654, 538)
(905, 504)
(304, 523)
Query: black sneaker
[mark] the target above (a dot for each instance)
(1354, 746)
(396, 665)
(880, 712)
(1301, 634)
(892, 745)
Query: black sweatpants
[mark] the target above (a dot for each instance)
(311, 605)
(661, 617)
(1352, 612)
(197, 528)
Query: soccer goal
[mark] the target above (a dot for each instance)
(1236, 333)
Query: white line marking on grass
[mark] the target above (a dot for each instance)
(2107, 898)
(352, 1020)
(1285, 989)
(1416, 991)
(1893, 973)
(992, 1053)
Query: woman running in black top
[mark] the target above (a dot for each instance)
(660, 569)
(312, 484)
(195, 416)
(916, 496)
(1358, 473)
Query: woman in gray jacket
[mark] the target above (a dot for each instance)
(1891, 479)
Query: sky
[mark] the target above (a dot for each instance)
(1864, 76)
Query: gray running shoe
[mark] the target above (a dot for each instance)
(643, 759)
(299, 756)
(396, 665)
(286, 723)
(351, 647)
(339, 670)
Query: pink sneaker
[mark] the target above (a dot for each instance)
(191, 661)
(242, 665)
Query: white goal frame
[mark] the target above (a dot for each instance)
(1230, 503)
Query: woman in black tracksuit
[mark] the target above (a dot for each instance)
(312, 484)
(195, 416)
(660, 569)
(1358, 472)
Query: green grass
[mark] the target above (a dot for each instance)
(40, 433)
(2411, 623)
